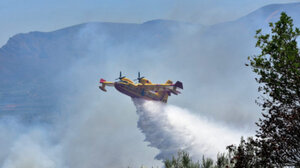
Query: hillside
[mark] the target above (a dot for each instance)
(37, 68)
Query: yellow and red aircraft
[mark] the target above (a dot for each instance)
(144, 88)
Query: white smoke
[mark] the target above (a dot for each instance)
(80, 137)
(79, 141)
(27, 147)
(170, 128)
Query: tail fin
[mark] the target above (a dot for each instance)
(179, 84)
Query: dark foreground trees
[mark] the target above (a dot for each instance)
(183, 160)
(278, 70)
(277, 142)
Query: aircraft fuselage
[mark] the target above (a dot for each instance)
(144, 88)
(139, 92)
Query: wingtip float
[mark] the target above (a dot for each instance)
(144, 88)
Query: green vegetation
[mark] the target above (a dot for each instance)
(277, 142)
(183, 160)
(278, 70)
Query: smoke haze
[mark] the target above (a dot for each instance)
(62, 119)
(171, 129)
(77, 139)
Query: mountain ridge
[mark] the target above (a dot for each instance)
(31, 64)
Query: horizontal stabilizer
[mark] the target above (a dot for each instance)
(175, 92)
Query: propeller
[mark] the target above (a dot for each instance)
(121, 77)
(139, 77)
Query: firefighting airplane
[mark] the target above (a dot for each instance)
(144, 88)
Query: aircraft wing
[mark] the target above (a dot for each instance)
(163, 87)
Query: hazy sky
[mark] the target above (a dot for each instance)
(20, 16)
(91, 127)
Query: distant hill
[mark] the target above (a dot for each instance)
(31, 62)
(271, 13)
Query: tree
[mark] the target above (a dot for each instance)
(183, 160)
(244, 155)
(223, 161)
(278, 70)
(206, 163)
